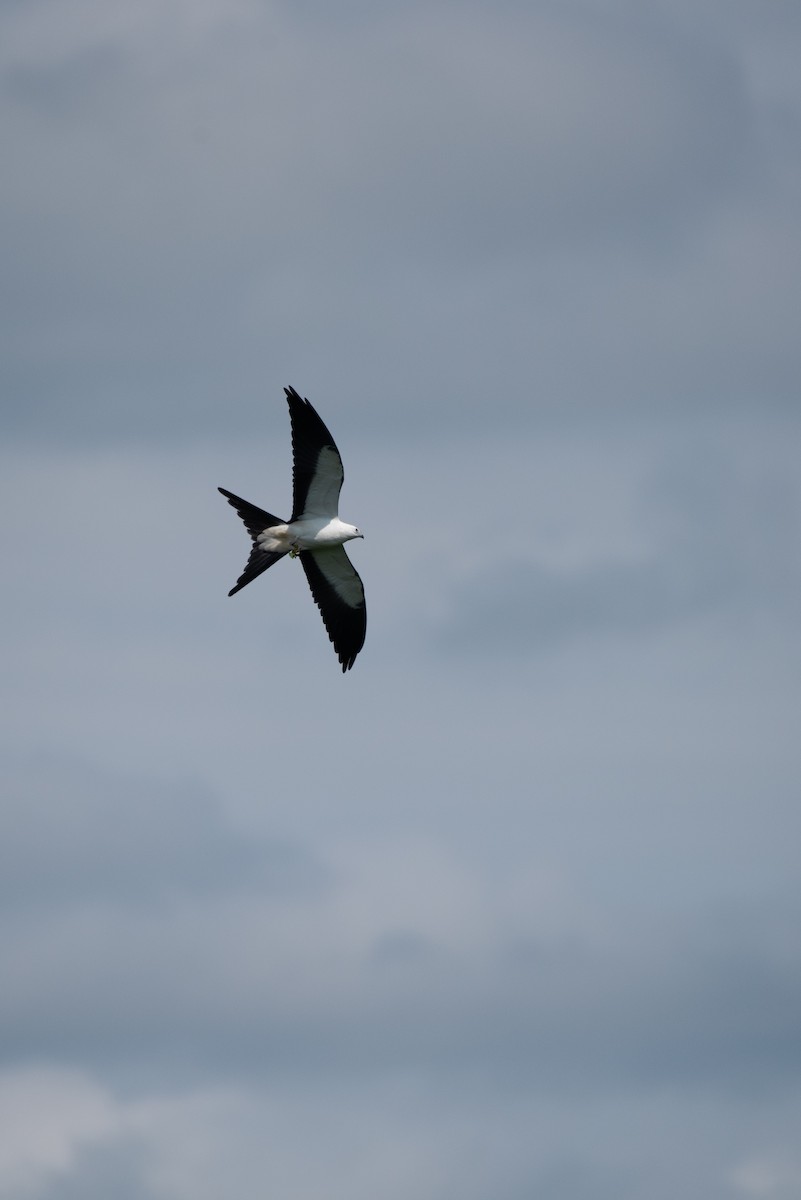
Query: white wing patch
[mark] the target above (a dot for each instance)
(341, 575)
(323, 496)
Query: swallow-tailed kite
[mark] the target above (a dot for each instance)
(314, 532)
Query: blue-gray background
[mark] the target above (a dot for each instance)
(513, 909)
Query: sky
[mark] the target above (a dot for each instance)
(512, 909)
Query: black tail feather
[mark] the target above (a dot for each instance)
(259, 561)
(256, 521)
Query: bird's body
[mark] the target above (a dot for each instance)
(308, 533)
(314, 533)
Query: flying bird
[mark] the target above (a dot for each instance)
(314, 532)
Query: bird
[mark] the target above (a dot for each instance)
(314, 532)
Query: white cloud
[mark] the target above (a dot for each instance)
(767, 1176)
(350, 1141)
(47, 1115)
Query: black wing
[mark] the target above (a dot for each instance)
(256, 520)
(317, 468)
(339, 595)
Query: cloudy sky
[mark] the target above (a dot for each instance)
(511, 910)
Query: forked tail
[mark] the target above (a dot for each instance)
(256, 521)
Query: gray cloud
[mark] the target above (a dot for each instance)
(719, 521)
(176, 947)
(524, 608)
(539, 209)
(73, 834)
(513, 908)
(102, 1170)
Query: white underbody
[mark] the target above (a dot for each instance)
(307, 533)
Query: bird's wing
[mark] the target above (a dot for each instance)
(317, 468)
(256, 521)
(339, 595)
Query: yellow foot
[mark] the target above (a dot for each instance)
(294, 552)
